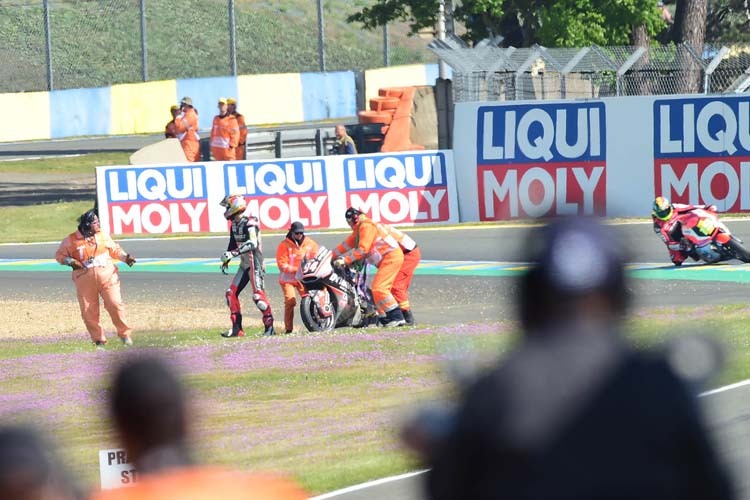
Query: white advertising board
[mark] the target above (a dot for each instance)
(609, 156)
(406, 188)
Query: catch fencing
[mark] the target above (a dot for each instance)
(64, 44)
(487, 72)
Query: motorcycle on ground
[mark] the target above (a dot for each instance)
(703, 237)
(334, 297)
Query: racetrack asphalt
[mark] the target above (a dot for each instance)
(453, 299)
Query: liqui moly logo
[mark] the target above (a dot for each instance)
(399, 188)
(541, 159)
(156, 200)
(282, 191)
(702, 151)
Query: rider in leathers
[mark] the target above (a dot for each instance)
(667, 225)
(245, 241)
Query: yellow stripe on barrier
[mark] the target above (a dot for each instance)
(138, 108)
(26, 116)
(270, 98)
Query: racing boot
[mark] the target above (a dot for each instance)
(268, 324)
(394, 317)
(236, 330)
(408, 317)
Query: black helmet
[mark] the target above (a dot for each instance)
(352, 215)
(85, 222)
(570, 258)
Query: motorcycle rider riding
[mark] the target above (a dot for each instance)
(666, 218)
(245, 241)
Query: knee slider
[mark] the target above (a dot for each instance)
(260, 301)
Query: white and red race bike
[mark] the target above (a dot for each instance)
(334, 297)
(700, 235)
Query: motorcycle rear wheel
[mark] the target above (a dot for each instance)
(737, 249)
(311, 318)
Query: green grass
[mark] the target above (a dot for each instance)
(187, 42)
(83, 164)
(324, 408)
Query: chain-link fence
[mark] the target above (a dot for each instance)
(63, 44)
(488, 73)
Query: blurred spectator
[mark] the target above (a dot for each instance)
(239, 153)
(148, 406)
(29, 470)
(344, 144)
(225, 133)
(289, 254)
(573, 412)
(169, 131)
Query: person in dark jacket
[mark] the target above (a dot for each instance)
(573, 411)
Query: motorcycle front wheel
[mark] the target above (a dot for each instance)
(737, 249)
(311, 317)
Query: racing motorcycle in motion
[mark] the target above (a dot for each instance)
(697, 232)
(334, 297)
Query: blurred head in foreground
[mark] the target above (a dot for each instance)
(576, 275)
(29, 469)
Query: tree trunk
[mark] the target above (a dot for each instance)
(690, 28)
(641, 83)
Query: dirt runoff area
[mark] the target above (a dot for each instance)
(34, 318)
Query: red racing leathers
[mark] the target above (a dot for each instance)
(670, 230)
(245, 241)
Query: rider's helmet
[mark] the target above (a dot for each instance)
(234, 204)
(352, 216)
(662, 209)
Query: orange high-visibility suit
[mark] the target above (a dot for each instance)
(206, 483)
(225, 134)
(240, 153)
(370, 243)
(412, 256)
(99, 276)
(289, 255)
(186, 128)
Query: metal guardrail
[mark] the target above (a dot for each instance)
(293, 141)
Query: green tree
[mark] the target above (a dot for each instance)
(552, 23)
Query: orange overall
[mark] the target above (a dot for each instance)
(225, 135)
(99, 276)
(186, 128)
(239, 151)
(412, 256)
(206, 483)
(289, 255)
(370, 243)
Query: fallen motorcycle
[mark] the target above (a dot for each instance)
(333, 297)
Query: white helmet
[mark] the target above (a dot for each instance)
(235, 204)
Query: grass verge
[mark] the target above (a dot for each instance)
(322, 407)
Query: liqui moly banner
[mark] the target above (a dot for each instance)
(702, 151)
(540, 159)
(399, 188)
(153, 200)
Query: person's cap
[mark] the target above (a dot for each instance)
(186, 100)
(174, 107)
(297, 227)
(222, 100)
(576, 255)
(231, 100)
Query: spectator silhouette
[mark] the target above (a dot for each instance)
(572, 411)
(29, 470)
(149, 410)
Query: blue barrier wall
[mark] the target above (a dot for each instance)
(79, 112)
(329, 95)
